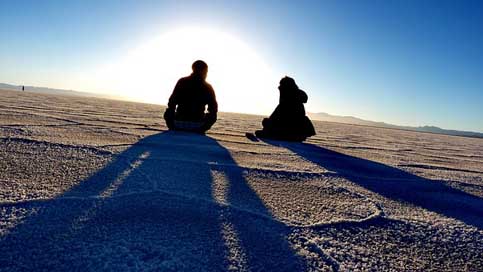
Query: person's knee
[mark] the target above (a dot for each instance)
(266, 123)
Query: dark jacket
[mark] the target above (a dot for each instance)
(288, 120)
(291, 106)
(190, 97)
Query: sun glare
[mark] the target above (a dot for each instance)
(243, 82)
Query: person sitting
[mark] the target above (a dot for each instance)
(288, 121)
(187, 103)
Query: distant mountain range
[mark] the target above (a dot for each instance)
(44, 90)
(322, 116)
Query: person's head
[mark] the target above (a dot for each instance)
(200, 68)
(287, 83)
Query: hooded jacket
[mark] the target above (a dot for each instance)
(291, 106)
(288, 120)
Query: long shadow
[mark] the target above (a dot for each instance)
(152, 207)
(394, 183)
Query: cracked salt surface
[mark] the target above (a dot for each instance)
(92, 184)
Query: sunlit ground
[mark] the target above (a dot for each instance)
(242, 80)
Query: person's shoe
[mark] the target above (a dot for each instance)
(251, 137)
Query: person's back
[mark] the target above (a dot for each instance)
(191, 96)
(288, 121)
(187, 103)
(291, 104)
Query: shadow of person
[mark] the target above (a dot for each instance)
(172, 201)
(394, 184)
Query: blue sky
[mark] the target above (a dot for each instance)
(403, 62)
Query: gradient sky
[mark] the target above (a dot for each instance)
(404, 62)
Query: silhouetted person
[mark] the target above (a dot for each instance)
(288, 121)
(23, 88)
(187, 103)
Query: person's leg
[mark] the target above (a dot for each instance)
(189, 126)
(266, 131)
(266, 123)
(261, 134)
(276, 131)
(269, 130)
(196, 126)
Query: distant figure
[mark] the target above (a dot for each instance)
(23, 88)
(288, 121)
(187, 103)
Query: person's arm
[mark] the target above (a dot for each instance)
(173, 99)
(303, 96)
(212, 114)
(212, 104)
(172, 103)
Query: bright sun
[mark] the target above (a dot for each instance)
(243, 82)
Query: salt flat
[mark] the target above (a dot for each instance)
(92, 184)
